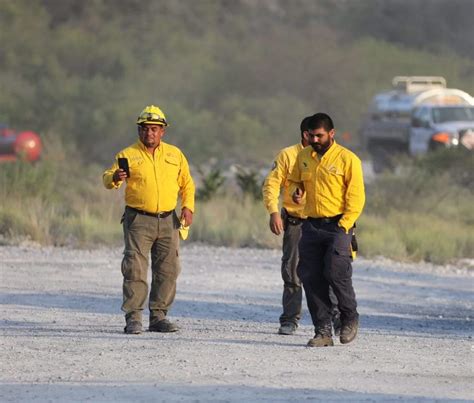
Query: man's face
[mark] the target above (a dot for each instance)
(150, 135)
(320, 139)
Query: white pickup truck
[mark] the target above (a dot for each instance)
(418, 115)
(435, 126)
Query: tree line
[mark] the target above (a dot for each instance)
(234, 78)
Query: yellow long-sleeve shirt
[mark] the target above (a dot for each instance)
(156, 180)
(333, 184)
(277, 179)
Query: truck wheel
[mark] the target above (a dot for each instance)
(382, 161)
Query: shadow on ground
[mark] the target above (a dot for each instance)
(431, 319)
(105, 392)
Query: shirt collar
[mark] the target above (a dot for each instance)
(314, 154)
(142, 147)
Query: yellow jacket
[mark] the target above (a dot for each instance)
(334, 185)
(277, 179)
(155, 180)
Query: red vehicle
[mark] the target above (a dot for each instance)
(14, 145)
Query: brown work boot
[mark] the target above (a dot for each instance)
(336, 323)
(163, 326)
(133, 327)
(322, 337)
(133, 322)
(349, 331)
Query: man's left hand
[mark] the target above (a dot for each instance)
(187, 216)
(276, 223)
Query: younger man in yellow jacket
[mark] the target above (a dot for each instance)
(289, 222)
(159, 173)
(330, 177)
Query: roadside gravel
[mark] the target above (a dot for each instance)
(62, 340)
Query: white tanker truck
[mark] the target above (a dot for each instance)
(418, 115)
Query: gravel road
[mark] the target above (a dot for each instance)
(62, 340)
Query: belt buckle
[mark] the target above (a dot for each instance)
(293, 220)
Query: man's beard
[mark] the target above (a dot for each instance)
(150, 142)
(321, 148)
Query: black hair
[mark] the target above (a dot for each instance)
(304, 125)
(320, 120)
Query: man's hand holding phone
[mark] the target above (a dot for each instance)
(123, 172)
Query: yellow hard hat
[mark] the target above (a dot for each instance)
(152, 115)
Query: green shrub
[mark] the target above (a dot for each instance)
(249, 183)
(210, 184)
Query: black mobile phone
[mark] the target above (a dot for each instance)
(123, 164)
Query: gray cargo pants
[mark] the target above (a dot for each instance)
(292, 291)
(144, 234)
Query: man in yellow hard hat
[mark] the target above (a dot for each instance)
(330, 177)
(289, 221)
(156, 174)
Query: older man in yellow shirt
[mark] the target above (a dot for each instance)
(158, 173)
(330, 177)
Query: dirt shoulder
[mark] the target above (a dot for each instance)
(62, 333)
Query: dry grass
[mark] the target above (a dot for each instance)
(407, 217)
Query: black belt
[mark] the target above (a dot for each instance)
(324, 220)
(294, 220)
(163, 214)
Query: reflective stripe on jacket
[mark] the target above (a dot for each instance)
(155, 180)
(277, 179)
(333, 184)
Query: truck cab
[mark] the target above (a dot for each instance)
(417, 115)
(440, 126)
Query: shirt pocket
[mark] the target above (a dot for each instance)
(306, 176)
(332, 175)
(332, 171)
(171, 166)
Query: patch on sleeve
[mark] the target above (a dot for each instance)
(274, 165)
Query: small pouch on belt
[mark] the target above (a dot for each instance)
(354, 245)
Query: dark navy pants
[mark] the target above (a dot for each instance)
(326, 260)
